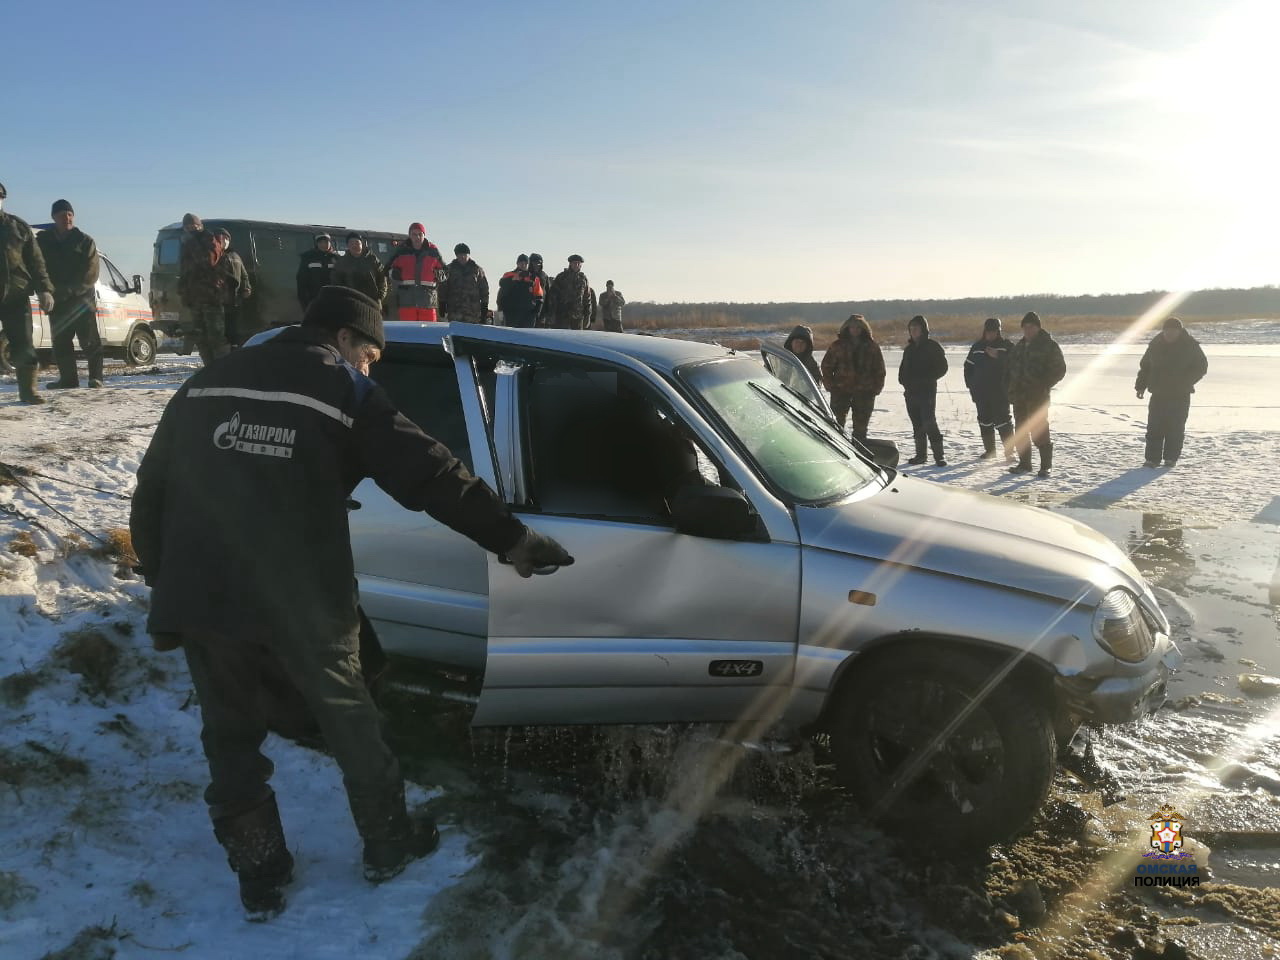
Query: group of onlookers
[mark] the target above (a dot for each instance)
(999, 375)
(60, 268)
(429, 289)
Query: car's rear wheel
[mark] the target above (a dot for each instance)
(928, 751)
(140, 347)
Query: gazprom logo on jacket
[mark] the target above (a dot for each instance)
(259, 438)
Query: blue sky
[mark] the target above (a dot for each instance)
(690, 151)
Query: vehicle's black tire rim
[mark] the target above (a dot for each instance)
(140, 349)
(921, 775)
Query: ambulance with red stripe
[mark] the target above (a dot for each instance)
(124, 321)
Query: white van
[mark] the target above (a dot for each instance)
(124, 321)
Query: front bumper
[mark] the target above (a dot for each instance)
(1120, 699)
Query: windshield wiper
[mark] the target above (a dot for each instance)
(810, 426)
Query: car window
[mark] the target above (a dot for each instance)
(169, 250)
(109, 275)
(801, 452)
(423, 385)
(600, 443)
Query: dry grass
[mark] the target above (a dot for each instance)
(36, 765)
(90, 655)
(15, 688)
(14, 890)
(23, 545)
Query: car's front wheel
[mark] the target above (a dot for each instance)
(931, 748)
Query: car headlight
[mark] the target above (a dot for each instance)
(1118, 624)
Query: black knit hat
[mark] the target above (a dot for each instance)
(576, 258)
(1032, 318)
(461, 248)
(353, 236)
(991, 323)
(337, 307)
(59, 206)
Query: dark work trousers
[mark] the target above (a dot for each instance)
(1031, 419)
(228, 673)
(857, 406)
(921, 408)
(993, 411)
(1166, 425)
(15, 318)
(76, 319)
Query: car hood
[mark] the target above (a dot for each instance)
(962, 533)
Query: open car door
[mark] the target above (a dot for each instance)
(649, 624)
(786, 366)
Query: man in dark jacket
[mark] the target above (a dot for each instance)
(986, 372)
(206, 286)
(315, 269)
(853, 373)
(1035, 367)
(1170, 369)
(22, 273)
(464, 295)
(519, 295)
(923, 364)
(360, 270)
(540, 299)
(240, 289)
(801, 344)
(72, 259)
(240, 528)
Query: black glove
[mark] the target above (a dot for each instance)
(533, 550)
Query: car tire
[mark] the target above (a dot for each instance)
(954, 792)
(140, 347)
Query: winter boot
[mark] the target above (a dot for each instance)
(920, 456)
(988, 443)
(1046, 460)
(256, 851)
(938, 459)
(95, 371)
(27, 386)
(392, 840)
(68, 378)
(1006, 438)
(1024, 462)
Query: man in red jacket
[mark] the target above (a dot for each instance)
(417, 269)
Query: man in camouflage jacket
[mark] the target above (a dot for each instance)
(1035, 367)
(206, 286)
(611, 304)
(22, 273)
(360, 270)
(853, 373)
(464, 295)
(72, 259)
(569, 300)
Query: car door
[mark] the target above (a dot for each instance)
(786, 366)
(648, 624)
(109, 292)
(423, 585)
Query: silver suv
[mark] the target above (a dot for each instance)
(740, 562)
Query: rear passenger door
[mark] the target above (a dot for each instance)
(424, 586)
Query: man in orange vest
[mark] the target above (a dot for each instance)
(417, 269)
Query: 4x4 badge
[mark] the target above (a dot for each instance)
(736, 668)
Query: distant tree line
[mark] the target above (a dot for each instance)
(1254, 302)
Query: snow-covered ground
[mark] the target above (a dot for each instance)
(105, 833)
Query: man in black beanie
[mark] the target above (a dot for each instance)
(240, 526)
(72, 259)
(986, 370)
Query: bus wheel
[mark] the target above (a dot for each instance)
(140, 348)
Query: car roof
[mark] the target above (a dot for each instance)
(661, 353)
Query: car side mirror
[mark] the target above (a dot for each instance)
(717, 512)
(137, 284)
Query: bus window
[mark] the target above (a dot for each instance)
(169, 251)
